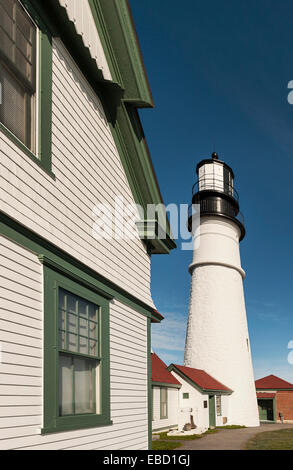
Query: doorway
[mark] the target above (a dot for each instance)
(212, 411)
(266, 409)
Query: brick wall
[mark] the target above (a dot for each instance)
(284, 404)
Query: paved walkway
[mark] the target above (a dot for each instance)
(230, 439)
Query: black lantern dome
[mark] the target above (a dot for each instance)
(215, 193)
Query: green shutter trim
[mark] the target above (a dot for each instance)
(52, 421)
(50, 253)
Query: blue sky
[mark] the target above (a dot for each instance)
(219, 74)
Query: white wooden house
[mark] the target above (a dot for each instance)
(184, 395)
(75, 310)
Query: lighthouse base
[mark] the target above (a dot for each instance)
(217, 338)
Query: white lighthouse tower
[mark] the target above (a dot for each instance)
(217, 338)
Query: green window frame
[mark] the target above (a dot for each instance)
(55, 283)
(185, 396)
(163, 402)
(42, 153)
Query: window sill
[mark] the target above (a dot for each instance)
(75, 427)
(26, 150)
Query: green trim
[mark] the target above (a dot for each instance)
(106, 41)
(165, 384)
(114, 22)
(172, 367)
(149, 381)
(55, 257)
(52, 421)
(212, 411)
(24, 149)
(161, 414)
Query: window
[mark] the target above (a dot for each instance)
(76, 353)
(219, 405)
(18, 72)
(205, 404)
(26, 80)
(185, 396)
(164, 402)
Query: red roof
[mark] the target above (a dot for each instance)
(272, 382)
(201, 378)
(265, 395)
(160, 372)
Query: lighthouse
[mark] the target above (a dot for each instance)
(217, 338)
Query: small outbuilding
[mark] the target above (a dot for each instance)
(203, 400)
(275, 399)
(185, 398)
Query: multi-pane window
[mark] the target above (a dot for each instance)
(78, 354)
(17, 71)
(185, 396)
(164, 402)
(219, 405)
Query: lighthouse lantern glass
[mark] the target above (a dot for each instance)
(215, 176)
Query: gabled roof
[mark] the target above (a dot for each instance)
(271, 382)
(200, 378)
(160, 373)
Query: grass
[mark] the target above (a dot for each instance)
(271, 440)
(165, 445)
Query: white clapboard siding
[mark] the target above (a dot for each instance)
(21, 370)
(173, 408)
(88, 172)
(79, 12)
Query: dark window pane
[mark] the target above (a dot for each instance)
(17, 71)
(6, 22)
(8, 6)
(13, 107)
(72, 323)
(72, 342)
(73, 320)
(24, 23)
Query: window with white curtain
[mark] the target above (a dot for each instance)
(18, 72)
(78, 354)
(219, 405)
(164, 402)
